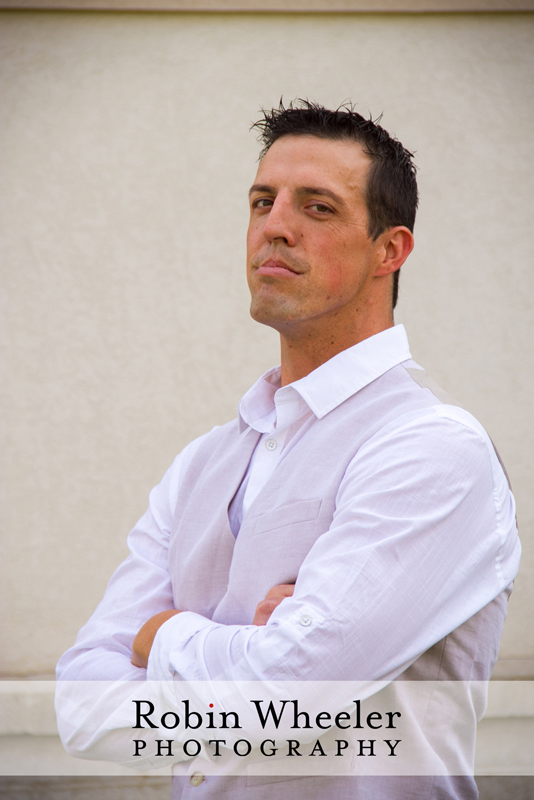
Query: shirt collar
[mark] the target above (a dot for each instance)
(330, 384)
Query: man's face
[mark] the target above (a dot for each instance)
(309, 255)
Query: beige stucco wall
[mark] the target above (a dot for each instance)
(126, 158)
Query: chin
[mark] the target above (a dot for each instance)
(271, 314)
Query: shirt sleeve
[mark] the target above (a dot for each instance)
(422, 538)
(138, 589)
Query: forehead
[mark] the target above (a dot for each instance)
(304, 160)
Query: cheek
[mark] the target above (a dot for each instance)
(331, 284)
(337, 274)
(345, 265)
(255, 242)
(249, 239)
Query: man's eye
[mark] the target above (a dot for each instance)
(262, 202)
(320, 207)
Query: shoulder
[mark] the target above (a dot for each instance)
(165, 493)
(443, 435)
(442, 457)
(424, 411)
(426, 439)
(205, 442)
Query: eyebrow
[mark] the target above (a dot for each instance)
(261, 187)
(302, 190)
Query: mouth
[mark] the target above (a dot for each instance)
(276, 268)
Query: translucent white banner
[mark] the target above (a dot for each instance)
(286, 728)
(257, 729)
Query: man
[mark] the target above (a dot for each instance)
(349, 525)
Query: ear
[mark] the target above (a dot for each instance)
(395, 245)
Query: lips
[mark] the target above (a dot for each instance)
(276, 268)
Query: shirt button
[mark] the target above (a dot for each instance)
(270, 444)
(196, 779)
(305, 620)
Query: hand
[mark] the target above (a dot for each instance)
(272, 600)
(142, 643)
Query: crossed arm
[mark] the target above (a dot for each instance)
(417, 545)
(142, 644)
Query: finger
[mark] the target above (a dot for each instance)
(281, 591)
(264, 611)
(137, 661)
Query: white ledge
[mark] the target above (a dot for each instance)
(27, 707)
(279, 6)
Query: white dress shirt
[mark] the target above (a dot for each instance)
(425, 556)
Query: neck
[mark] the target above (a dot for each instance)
(302, 353)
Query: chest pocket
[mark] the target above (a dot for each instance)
(269, 551)
(294, 515)
(280, 541)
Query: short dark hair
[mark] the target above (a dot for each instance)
(391, 192)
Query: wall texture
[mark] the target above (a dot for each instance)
(126, 158)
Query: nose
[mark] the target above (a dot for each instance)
(281, 222)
